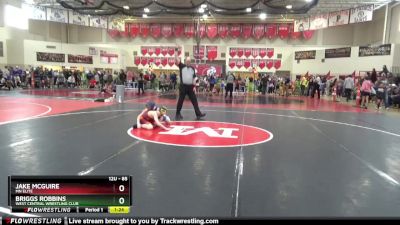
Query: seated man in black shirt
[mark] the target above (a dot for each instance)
(187, 74)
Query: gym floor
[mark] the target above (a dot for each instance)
(325, 159)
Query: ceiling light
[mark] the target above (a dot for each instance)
(203, 6)
(146, 10)
(248, 10)
(289, 6)
(144, 15)
(263, 16)
(201, 10)
(126, 7)
(205, 16)
(308, 0)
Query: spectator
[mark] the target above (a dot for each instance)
(141, 83)
(374, 76)
(380, 92)
(316, 88)
(348, 87)
(71, 81)
(366, 89)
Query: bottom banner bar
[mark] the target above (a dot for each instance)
(33, 220)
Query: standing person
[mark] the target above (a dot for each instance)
(230, 80)
(222, 85)
(173, 80)
(374, 76)
(187, 75)
(380, 92)
(317, 84)
(212, 82)
(348, 87)
(264, 84)
(366, 89)
(384, 71)
(141, 83)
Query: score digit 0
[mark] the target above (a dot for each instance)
(121, 188)
(121, 200)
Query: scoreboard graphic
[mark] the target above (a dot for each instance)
(70, 194)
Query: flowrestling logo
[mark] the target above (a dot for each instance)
(204, 134)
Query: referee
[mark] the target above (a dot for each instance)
(186, 75)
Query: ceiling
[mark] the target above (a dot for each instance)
(219, 10)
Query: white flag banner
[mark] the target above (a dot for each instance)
(116, 24)
(34, 12)
(98, 21)
(339, 18)
(78, 19)
(319, 21)
(57, 15)
(302, 25)
(361, 14)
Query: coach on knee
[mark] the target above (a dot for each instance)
(187, 76)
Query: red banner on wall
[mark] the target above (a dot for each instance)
(178, 30)
(258, 31)
(150, 50)
(240, 52)
(171, 61)
(247, 30)
(255, 52)
(263, 52)
(150, 60)
(144, 30)
(239, 63)
(232, 63)
(166, 30)
(232, 52)
(247, 52)
(134, 29)
(223, 30)
(262, 63)
(164, 61)
(270, 63)
(179, 51)
(247, 63)
(157, 61)
(270, 52)
(283, 31)
(308, 34)
(271, 31)
(157, 51)
(189, 30)
(143, 61)
(212, 30)
(164, 51)
(144, 50)
(155, 30)
(212, 52)
(137, 60)
(171, 51)
(235, 30)
(277, 63)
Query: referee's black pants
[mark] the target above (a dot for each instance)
(229, 88)
(183, 91)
